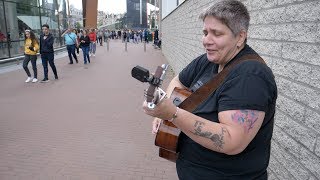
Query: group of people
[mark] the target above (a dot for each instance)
(45, 47)
(128, 35)
(85, 40)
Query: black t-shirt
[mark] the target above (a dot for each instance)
(249, 85)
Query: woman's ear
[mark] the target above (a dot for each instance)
(242, 38)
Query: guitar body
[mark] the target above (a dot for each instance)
(168, 133)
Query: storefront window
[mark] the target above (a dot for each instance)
(18, 15)
(3, 35)
(27, 2)
(14, 34)
(48, 17)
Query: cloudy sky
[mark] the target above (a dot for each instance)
(110, 6)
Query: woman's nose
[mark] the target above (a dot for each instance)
(207, 39)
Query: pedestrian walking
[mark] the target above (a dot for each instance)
(156, 37)
(100, 35)
(106, 35)
(85, 45)
(146, 34)
(71, 41)
(135, 38)
(93, 38)
(47, 52)
(31, 47)
(77, 32)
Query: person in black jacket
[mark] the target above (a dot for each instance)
(85, 44)
(47, 53)
(156, 37)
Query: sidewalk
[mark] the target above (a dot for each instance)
(88, 125)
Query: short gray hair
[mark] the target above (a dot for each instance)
(232, 13)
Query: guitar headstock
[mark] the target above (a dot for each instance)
(154, 93)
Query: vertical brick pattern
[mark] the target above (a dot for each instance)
(286, 34)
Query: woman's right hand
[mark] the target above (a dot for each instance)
(155, 125)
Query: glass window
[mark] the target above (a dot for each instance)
(3, 35)
(49, 17)
(20, 17)
(47, 4)
(26, 2)
(14, 34)
(137, 6)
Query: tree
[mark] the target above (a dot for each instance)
(78, 25)
(121, 22)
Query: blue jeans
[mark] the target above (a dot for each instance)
(85, 50)
(93, 47)
(72, 50)
(48, 57)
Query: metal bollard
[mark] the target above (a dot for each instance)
(126, 46)
(107, 44)
(144, 46)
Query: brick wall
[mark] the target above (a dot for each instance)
(286, 33)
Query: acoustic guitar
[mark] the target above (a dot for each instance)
(167, 135)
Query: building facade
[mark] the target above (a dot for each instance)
(136, 14)
(110, 21)
(18, 15)
(169, 5)
(153, 19)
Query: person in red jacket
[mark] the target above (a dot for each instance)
(93, 38)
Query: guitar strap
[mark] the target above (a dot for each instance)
(201, 94)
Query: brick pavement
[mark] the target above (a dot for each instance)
(88, 125)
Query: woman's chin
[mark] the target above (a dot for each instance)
(212, 58)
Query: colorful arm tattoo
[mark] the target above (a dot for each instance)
(247, 118)
(217, 139)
